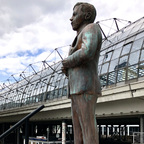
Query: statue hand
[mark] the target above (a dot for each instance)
(64, 63)
(65, 71)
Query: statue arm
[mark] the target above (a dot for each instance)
(87, 51)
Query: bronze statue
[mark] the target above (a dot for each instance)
(81, 67)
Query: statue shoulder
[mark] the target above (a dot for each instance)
(92, 27)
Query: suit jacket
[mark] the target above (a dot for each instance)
(82, 62)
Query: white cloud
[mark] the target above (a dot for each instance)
(27, 27)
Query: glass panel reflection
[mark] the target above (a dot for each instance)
(121, 76)
(113, 65)
(142, 55)
(134, 57)
(101, 59)
(108, 56)
(116, 53)
(141, 70)
(140, 35)
(112, 78)
(103, 80)
(135, 28)
(123, 61)
(137, 45)
(104, 68)
(119, 45)
(64, 91)
(126, 48)
(132, 72)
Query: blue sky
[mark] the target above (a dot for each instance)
(30, 31)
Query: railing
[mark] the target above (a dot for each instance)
(22, 121)
(45, 142)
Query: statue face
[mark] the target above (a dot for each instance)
(77, 19)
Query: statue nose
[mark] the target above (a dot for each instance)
(71, 18)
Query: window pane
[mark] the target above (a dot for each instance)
(103, 80)
(142, 55)
(116, 53)
(121, 75)
(126, 49)
(140, 35)
(132, 72)
(112, 78)
(99, 68)
(134, 57)
(108, 56)
(103, 52)
(135, 28)
(101, 59)
(123, 62)
(119, 44)
(113, 65)
(104, 68)
(60, 92)
(137, 44)
(141, 70)
(64, 91)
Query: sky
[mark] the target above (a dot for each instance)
(31, 30)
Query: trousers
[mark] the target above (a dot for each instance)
(84, 120)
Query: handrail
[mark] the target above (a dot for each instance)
(6, 133)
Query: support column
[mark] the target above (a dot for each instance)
(106, 131)
(141, 128)
(99, 133)
(125, 132)
(48, 131)
(120, 132)
(103, 131)
(63, 132)
(111, 131)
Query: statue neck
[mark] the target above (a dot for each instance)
(81, 28)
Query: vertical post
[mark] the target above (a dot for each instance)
(120, 132)
(106, 131)
(99, 133)
(32, 129)
(48, 130)
(18, 135)
(63, 132)
(26, 132)
(125, 132)
(141, 128)
(111, 130)
(103, 130)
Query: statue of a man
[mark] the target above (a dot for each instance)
(81, 67)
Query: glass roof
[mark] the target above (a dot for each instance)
(121, 60)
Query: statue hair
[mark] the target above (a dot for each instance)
(86, 7)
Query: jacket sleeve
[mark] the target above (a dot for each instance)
(90, 41)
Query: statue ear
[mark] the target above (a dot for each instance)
(88, 15)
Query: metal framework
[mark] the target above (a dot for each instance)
(121, 60)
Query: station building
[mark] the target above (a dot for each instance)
(119, 111)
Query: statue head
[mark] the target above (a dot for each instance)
(83, 14)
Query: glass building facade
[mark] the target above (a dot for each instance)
(122, 55)
(121, 61)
